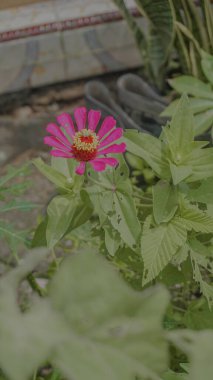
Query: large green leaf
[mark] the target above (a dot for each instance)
(83, 212)
(192, 218)
(116, 331)
(91, 326)
(192, 86)
(198, 347)
(161, 32)
(26, 339)
(204, 193)
(113, 198)
(159, 245)
(179, 172)
(180, 133)
(165, 201)
(61, 211)
(207, 65)
(201, 162)
(52, 174)
(150, 149)
(138, 33)
(198, 262)
(197, 105)
(203, 121)
(198, 316)
(124, 219)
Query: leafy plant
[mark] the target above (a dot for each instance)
(179, 227)
(201, 95)
(171, 22)
(171, 226)
(156, 45)
(194, 27)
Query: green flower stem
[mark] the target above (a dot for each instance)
(34, 285)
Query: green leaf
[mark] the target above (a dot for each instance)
(83, 212)
(61, 211)
(150, 149)
(201, 162)
(170, 375)
(197, 105)
(121, 335)
(204, 193)
(198, 316)
(159, 245)
(85, 328)
(203, 121)
(192, 86)
(17, 205)
(113, 200)
(192, 218)
(165, 202)
(201, 366)
(161, 33)
(207, 65)
(112, 239)
(180, 132)
(39, 238)
(25, 339)
(66, 213)
(179, 172)
(52, 174)
(124, 219)
(198, 346)
(205, 288)
(138, 33)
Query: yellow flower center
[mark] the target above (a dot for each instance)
(85, 145)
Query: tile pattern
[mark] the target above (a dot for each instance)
(62, 40)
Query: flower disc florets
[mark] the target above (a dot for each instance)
(85, 145)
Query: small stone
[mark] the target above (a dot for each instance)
(53, 107)
(71, 93)
(45, 100)
(22, 113)
(6, 152)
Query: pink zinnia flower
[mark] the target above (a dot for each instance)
(83, 142)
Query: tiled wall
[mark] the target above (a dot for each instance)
(68, 51)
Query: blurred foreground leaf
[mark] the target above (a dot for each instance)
(92, 326)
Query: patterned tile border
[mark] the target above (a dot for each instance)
(69, 24)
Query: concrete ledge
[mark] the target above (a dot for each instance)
(54, 41)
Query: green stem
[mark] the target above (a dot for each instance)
(34, 285)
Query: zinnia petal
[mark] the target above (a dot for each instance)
(106, 160)
(115, 148)
(108, 124)
(54, 130)
(66, 122)
(60, 153)
(55, 143)
(98, 165)
(113, 136)
(93, 119)
(80, 117)
(81, 168)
